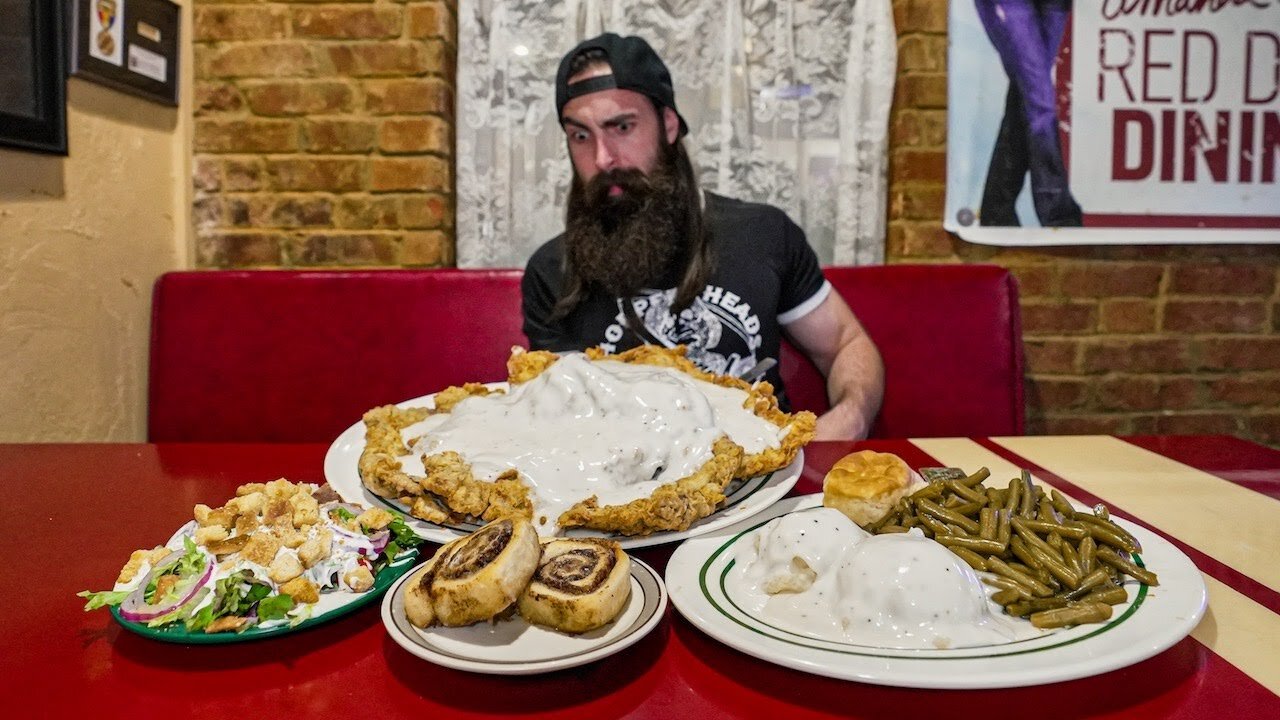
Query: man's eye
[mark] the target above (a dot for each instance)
(624, 127)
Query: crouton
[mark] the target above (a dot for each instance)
(261, 548)
(280, 489)
(291, 538)
(206, 516)
(250, 504)
(301, 590)
(164, 585)
(277, 513)
(249, 489)
(212, 533)
(222, 548)
(246, 524)
(316, 549)
(226, 623)
(284, 568)
(306, 511)
(137, 560)
(375, 519)
(359, 579)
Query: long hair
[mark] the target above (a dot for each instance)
(696, 257)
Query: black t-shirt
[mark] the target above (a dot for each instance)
(765, 275)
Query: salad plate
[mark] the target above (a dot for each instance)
(743, 498)
(330, 607)
(277, 558)
(1152, 620)
(516, 647)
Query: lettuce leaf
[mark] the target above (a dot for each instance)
(103, 598)
(275, 607)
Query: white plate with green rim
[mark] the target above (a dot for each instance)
(1153, 619)
(516, 647)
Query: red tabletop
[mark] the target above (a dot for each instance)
(77, 511)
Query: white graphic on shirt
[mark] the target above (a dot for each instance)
(721, 332)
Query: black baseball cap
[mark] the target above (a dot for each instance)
(635, 67)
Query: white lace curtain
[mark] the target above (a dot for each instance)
(787, 103)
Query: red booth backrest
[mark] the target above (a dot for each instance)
(951, 340)
(286, 356)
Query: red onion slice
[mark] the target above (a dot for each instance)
(380, 540)
(135, 608)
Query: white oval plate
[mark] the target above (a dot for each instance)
(515, 647)
(743, 498)
(1152, 621)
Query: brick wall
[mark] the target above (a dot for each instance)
(323, 137)
(324, 133)
(1159, 339)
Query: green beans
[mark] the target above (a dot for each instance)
(987, 524)
(1033, 586)
(1078, 614)
(1075, 531)
(990, 547)
(1045, 560)
(951, 516)
(1108, 532)
(1111, 595)
(964, 491)
(1127, 566)
(975, 561)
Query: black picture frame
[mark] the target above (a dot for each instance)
(136, 51)
(33, 77)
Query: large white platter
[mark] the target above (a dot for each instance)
(1152, 621)
(515, 647)
(743, 498)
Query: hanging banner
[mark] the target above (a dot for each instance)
(1114, 121)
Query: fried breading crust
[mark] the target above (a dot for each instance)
(449, 492)
(450, 396)
(524, 365)
(674, 506)
(449, 477)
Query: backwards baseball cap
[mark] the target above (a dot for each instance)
(635, 67)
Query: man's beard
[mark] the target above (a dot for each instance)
(623, 244)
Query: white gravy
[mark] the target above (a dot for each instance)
(892, 591)
(605, 428)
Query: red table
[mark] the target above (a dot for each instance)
(76, 511)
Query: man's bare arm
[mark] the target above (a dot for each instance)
(836, 342)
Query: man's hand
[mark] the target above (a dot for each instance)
(837, 343)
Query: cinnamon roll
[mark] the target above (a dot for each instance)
(476, 577)
(580, 585)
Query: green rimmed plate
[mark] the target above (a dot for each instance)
(331, 606)
(1151, 621)
(516, 647)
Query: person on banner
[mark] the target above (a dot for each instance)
(646, 257)
(1026, 34)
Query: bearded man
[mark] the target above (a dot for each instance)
(646, 257)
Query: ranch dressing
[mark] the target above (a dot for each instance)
(605, 428)
(892, 591)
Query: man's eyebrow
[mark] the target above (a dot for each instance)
(619, 119)
(614, 121)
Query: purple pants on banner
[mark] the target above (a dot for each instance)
(1026, 34)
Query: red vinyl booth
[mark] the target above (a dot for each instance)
(297, 356)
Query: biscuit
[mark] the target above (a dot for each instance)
(865, 485)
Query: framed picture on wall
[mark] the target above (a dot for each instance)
(33, 86)
(130, 45)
